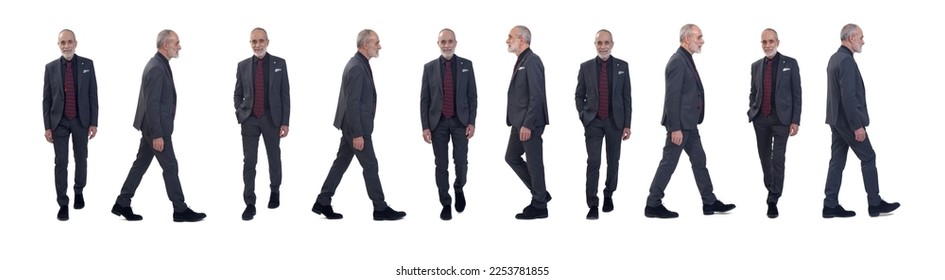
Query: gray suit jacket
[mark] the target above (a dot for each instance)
(277, 93)
(683, 107)
(786, 94)
(431, 93)
(527, 106)
(157, 100)
(86, 92)
(357, 101)
(587, 95)
(846, 94)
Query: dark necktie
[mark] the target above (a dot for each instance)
(603, 92)
(766, 97)
(259, 101)
(448, 103)
(69, 88)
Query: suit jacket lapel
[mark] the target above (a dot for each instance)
(58, 87)
(249, 75)
(437, 81)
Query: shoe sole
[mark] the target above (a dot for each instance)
(126, 218)
(658, 216)
(326, 216)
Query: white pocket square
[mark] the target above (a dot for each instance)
(521, 68)
(785, 69)
(85, 71)
(620, 72)
(465, 70)
(278, 69)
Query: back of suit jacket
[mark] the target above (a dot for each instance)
(846, 94)
(157, 100)
(683, 107)
(786, 94)
(357, 100)
(86, 94)
(587, 94)
(277, 93)
(527, 106)
(431, 92)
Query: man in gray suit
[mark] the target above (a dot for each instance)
(448, 110)
(357, 104)
(527, 114)
(70, 107)
(261, 99)
(848, 118)
(157, 107)
(603, 104)
(774, 105)
(683, 111)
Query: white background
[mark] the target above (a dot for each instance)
(317, 39)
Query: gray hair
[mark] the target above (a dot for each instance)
(265, 34)
(363, 36)
(685, 31)
(772, 30)
(848, 31)
(162, 37)
(67, 30)
(524, 33)
(447, 29)
(608, 33)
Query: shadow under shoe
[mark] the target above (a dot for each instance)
(659, 212)
(125, 212)
(837, 212)
(883, 208)
(531, 213)
(63, 214)
(79, 201)
(249, 213)
(717, 207)
(446, 214)
(326, 211)
(460, 202)
(772, 210)
(592, 214)
(273, 200)
(389, 214)
(188, 215)
(608, 204)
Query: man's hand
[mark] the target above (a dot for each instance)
(860, 134)
(158, 144)
(427, 136)
(92, 131)
(283, 131)
(358, 143)
(676, 137)
(524, 134)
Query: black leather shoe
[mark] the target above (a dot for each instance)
(717, 207)
(446, 214)
(460, 202)
(389, 214)
(882, 208)
(126, 212)
(249, 213)
(79, 201)
(592, 214)
(531, 213)
(273, 200)
(63, 213)
(188, 216)
(772, 210)
(327, 211)
(608, 204)
(659, 212)
(839, 212)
